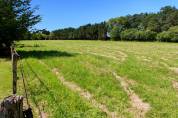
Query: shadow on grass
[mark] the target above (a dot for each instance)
(44, 54)
(28, 46)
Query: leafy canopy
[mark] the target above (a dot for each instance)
(16, 19)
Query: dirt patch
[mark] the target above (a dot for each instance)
(83, 93)
(131, 82)
(164, 59)
(139, 108)
(144, 58)
(164, 64)
(39, 110)
(175, 70)
(107, 56)
(121, 56)
(43, 115)
(147, 60)
(175, 84)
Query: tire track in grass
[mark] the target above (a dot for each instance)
(112, 51)
(102, 55)
(111, 55)
(174, 70)
(139, 108)
(38, 108)
(83, 93)
(175, 85)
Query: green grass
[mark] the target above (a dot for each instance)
(47, 91)
(5, 78)
(90, 64)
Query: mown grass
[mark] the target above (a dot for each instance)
(5, 78)
(98, 81)
(90, 64)
(52, 97)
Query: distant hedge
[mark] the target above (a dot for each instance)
(169, 36)
(138, 35)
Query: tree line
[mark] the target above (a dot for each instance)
(160, 26)
(86, 32)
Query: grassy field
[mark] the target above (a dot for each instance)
(95, 79)
(5, 78)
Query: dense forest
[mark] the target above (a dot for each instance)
(160, 26)
(86, 32)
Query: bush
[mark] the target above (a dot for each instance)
(175, 38)
(136, 35)
(39, 36)
(174, 31)
(145, 36)
(115, 33)
(169, 36)
(165, 36)
(128, 35)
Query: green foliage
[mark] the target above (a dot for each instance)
(117, 22)
(153, 23)
(174, 30)
(165, 36)
(144, 26)
(16, 18)
(86, 32)
(168, 17)
(115, 33)
(146, 35)
(161, 21)
(44, 31)
(169, 36)
(138, 35)
(39, 36)
(128, 35)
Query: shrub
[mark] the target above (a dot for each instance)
(174, 31)
(115, 33)
(39, 36)
(145, 36)
(175, 38)
(128, 35)
(136, 35)
(164, 36)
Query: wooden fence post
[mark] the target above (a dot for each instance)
(15, 58)
(12, 106)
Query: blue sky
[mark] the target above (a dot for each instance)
(73, 13)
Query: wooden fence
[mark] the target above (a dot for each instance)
(12, 106)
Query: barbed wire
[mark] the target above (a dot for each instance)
(24, 83)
